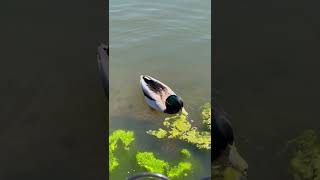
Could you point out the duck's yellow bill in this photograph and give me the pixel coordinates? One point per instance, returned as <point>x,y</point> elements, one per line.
<point>184,112</point>
<point>237,161</point>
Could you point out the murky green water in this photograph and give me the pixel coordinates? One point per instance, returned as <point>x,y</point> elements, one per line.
<point>269,89</point>
<point>169,40</point>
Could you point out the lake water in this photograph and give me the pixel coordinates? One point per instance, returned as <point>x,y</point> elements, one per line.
<point>168,40</point>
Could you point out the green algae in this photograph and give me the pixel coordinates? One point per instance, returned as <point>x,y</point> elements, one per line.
<point>304,154</point>
<point>179,170</point>
<point>202,139</point>
<point>113,161</point>
<point>148,161</point>
<point>179,127</point>
<point>161,133</point>
<point>126,138</point>
<point>186,153</point>
<point>151,163</point>
<point>206,115</point>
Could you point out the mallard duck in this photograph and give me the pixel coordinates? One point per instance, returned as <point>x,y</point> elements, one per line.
<point>159,96</point>
<point>222,131</point>
<point>223,138</point>
<point>103,63</point>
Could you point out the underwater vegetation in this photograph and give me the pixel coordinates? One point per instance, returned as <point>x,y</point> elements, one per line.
<point>304,154</point>
<point>126,138</point>
<point>148,161</point>
<point>180,169</point>
<point>151,163</point>
<point>179,127</point>
<point>185,152</point>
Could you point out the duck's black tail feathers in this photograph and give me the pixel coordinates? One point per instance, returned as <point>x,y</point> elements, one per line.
<point>153,84</point>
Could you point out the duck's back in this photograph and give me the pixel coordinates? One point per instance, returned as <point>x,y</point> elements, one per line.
<point>154,85</point>
<point>155,88</point>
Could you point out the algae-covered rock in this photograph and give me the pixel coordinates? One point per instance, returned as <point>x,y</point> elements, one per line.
<point>304,154</point>
<point>202,139</point>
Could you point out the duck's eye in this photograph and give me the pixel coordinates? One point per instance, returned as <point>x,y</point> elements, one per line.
<point>245,172</point>
<point>106,50</point>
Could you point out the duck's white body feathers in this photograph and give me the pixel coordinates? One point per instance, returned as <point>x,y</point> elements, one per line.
<point>155,92</point>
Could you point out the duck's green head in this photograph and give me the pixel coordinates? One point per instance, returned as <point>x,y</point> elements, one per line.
<point>173,104</point>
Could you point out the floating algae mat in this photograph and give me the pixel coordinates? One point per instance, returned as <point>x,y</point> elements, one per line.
<point>179,127</point>
<point>117,137</point>
<point>146,161</point>
<point>122,143</point>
